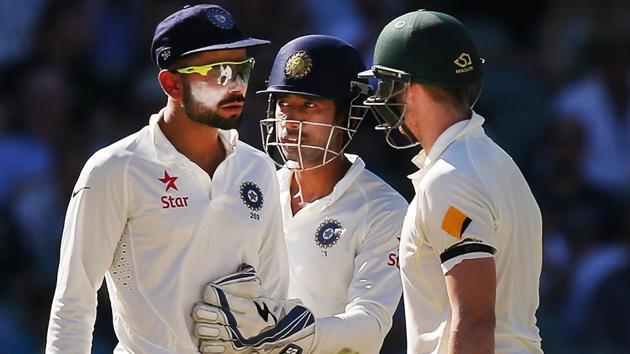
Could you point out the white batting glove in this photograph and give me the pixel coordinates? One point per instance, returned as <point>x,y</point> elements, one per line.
<point>238,316</point>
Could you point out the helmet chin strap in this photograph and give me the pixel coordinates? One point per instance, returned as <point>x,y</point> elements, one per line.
<point>401,129</point>
<point>477,95</point>
<point>392,116</point>
<point>299,193</point>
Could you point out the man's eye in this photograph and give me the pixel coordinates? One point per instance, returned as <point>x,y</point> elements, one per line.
<point>309,105</point>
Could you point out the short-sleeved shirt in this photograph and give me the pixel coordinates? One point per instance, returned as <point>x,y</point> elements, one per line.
<point>471,202</point>
<point>158,228</point>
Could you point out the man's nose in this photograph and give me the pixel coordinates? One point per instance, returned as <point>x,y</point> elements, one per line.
<point>290,122</point>
<point>238,85</point>
<point>289,128</point>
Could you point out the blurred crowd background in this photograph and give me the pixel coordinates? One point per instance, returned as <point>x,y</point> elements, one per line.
<point>77,75</point>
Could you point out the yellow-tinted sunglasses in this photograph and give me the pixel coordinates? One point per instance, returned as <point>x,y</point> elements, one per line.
<point>223,72</point>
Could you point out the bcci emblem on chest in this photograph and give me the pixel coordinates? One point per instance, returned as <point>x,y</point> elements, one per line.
<point>328,233</point>
<point>252,196</point>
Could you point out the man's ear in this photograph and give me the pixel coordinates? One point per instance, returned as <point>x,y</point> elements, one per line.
<point>172,84</point>
<point>412,92</point>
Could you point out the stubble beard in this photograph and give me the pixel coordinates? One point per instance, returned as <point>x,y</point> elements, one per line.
<point>202,114</point>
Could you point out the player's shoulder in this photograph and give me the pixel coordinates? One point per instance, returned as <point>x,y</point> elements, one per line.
<point>474,157</point>
<point>467,156</point>
<point>257,164</point>
<point>378,193</point>
<point>115,158</point>
<point>451,171</point>
<point>464,172</point>
<point>250,154</point>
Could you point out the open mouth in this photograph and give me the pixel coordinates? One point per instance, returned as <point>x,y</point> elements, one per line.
<point>289,139</point>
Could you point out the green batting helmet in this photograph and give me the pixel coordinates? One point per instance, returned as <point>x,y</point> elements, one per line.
<point>433,47</point>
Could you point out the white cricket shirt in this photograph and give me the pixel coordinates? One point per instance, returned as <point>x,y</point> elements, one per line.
<point>471,201</point>
<point>158,228</point>
<point>343,258</point>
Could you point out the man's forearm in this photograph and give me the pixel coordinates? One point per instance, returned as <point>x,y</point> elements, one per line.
<point>472,336</point>
<point>355,332</point>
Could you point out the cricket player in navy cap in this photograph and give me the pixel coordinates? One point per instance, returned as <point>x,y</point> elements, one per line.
<point>181,202</point>
<point>341,221</point>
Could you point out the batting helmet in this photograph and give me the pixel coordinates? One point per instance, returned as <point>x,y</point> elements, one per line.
<point>317,66</point>
<point>424,47</point>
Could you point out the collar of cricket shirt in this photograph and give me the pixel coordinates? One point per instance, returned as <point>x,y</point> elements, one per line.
<point>167,152</point>
<point>452,133</point>
<point>285,175</point>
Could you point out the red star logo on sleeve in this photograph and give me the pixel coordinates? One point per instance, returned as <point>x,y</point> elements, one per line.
<point>170,181</point>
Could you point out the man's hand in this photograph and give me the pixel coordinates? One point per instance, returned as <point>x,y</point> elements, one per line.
<point>238,316</point>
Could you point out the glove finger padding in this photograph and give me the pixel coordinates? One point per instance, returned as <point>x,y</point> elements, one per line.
<point>213,332</point>
<point>203,313</point>
<point>207,346</point>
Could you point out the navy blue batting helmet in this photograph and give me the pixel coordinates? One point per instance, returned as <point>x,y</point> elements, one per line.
<point>316,65</point>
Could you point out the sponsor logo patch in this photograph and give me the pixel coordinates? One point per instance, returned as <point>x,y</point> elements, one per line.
<point>74,194</point>
<point>464,62</point>
<point>291,349</point>
<point>169,201</point>
<point>169,181</point>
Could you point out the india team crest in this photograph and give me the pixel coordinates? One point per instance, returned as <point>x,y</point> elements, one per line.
<point>220,18</point>
<point>298,65</point>
<point>328,233</point>
<point>252,196</point>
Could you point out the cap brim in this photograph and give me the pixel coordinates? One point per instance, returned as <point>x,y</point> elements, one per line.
<point>249,42</point>
<point>288,91</point>
<point>366,74</point>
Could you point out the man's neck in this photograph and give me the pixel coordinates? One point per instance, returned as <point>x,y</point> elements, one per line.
<point>199,142</point>
<point>311,185</point>
<point>436,124</point>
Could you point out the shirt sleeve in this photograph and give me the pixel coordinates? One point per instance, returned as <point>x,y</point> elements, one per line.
<point>457,218</point>
<point>95,220</point>
<point>375,289</point>
<point>273,259</point>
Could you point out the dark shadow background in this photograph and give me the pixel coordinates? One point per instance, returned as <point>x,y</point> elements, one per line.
<point>77,75</point>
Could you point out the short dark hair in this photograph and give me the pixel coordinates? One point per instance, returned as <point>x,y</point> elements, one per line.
<point>457,97</point>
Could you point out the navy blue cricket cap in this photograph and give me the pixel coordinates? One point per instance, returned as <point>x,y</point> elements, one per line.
<point>315,65</point>
<point>195,29</point>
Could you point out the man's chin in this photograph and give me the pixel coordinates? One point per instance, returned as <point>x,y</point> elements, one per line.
<point>224,123</point>
<point>307,160</point>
